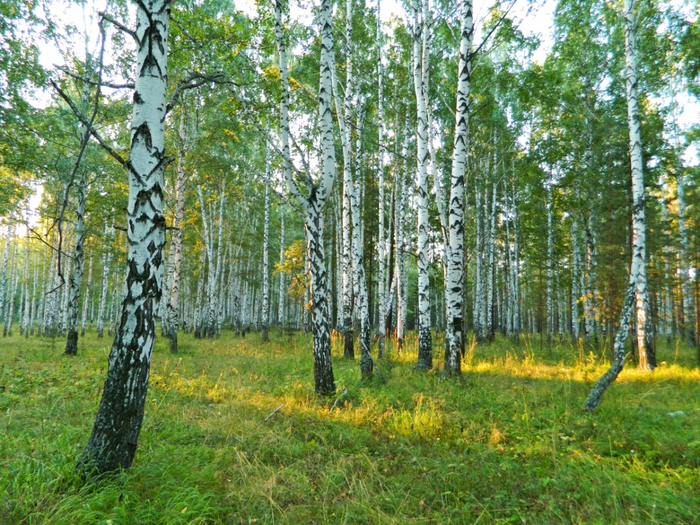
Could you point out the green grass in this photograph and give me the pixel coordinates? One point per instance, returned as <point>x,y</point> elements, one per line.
<point>509,443</point>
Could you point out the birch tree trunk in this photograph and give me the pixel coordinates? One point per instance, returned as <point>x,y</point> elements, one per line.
<point>280,306</point>
<point>575,280</point>
<point>381,235</point>
<point>266,256</point>
<point>5,263</point>
<point>77,274</point>
<point>550,268</point>
<point>490,284</point>
<point>454,283</point>
<point>86,301</point>
<point>400,234</point>
<point>685,269</point>
<point>12,290</point>
<point>425,345</point>
<point>645,339</point>
<point>516,267</point>
<point>173,305</point>
<point>26,299</point>
<point>318,192</point>
<point>351,203</point>
<point>112,444</point>
<point>106,259</point>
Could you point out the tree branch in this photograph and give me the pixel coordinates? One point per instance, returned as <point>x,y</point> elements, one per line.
<point>120,26</point>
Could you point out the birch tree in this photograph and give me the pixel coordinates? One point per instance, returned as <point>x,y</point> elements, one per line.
<point>318,191</point>
<point>420,60</point>
<point>454,285</point>
<point>114,438</point>
<point>644,332</point>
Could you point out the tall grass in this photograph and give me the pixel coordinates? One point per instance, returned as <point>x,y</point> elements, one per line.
<point>508,443</point>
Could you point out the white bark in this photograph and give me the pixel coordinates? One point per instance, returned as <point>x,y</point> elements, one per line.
<point>575,280</point>
<point>173,303</point>
<point>645,341</point>
<point>114,437</point>
<point>77,274</point>
<point>490,282</point>
<point>381,235</point>
<point>685,266</point>
<point>86,301</point>
<point>5,262</point>
<point>454,283</point>
<point>106,259</point>
<point>265,322</point>
<point>314,203</point>
<point>420,62</point>
<point>280,306</point>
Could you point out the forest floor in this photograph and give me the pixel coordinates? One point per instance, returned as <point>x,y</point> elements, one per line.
<point>508,443</point>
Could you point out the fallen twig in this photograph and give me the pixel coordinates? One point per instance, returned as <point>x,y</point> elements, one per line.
<point>271,415</point>
<point>345,393</point>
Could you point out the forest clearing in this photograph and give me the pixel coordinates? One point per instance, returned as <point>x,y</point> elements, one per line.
<point>349,261</point>
<point>508,443</point>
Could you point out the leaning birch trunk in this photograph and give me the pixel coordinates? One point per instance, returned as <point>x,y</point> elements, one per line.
<point>114,437</point>
<point>619,351</point>
<point>454,285</point>
<point>173,306</point>
<point>318,193</point>
<point>106,259</point>
<point>77,273</point>
<point>425,345</point>
<point>266,251</point>
<point>645,340</point>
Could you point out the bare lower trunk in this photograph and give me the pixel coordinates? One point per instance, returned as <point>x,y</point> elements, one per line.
<point>619,353</point>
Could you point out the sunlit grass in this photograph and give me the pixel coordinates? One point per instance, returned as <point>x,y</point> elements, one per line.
<point>508,442</point>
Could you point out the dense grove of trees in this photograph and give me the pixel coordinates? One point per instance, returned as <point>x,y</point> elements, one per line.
<point>316,168</point>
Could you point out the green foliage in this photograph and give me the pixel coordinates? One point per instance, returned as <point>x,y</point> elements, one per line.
<point>509,443</point>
